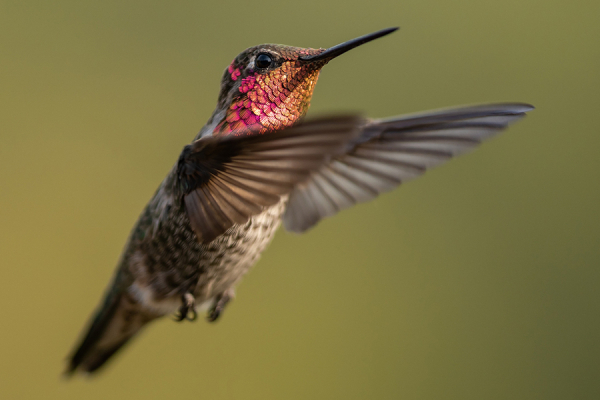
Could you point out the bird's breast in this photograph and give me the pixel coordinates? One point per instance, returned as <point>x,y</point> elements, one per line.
<point>170,261</point>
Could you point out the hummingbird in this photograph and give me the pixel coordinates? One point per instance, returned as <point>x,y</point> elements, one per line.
<point>254,165</point>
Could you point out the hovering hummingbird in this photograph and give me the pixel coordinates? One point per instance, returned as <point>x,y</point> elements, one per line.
<point>253,165</point>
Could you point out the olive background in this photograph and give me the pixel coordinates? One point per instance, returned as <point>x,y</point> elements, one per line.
<point>479,280</point>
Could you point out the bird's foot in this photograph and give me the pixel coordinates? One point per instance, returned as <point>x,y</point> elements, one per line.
<point>219,306</point>
<point>187,309</point>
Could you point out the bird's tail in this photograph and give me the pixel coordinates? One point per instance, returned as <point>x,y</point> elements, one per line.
<point>118,319</point>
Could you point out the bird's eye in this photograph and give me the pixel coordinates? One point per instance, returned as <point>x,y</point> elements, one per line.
<point>263,61</point>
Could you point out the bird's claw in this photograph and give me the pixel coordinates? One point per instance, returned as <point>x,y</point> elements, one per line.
<point>217,309</point>
<point>187,309</point>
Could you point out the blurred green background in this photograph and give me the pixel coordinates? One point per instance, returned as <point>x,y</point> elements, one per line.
<point>478,281</point>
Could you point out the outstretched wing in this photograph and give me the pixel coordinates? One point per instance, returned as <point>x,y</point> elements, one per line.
<point>391,151</point>
<point>226,180</point>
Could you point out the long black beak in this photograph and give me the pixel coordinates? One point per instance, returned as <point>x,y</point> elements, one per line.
<point>335,51</point>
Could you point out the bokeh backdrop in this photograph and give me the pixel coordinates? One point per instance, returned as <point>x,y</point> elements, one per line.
<point>479,280</point>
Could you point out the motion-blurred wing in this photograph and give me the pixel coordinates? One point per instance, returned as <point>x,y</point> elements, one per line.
<point>226,180</point>
<point>391,151</point>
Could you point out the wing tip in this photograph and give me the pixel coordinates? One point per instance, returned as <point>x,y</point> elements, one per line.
<point>514,108</point>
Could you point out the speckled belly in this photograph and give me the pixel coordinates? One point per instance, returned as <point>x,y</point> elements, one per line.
<point>227,259</point>
<point>169,261</point>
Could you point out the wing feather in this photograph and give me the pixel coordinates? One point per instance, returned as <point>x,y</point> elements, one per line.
<point>391,151</point>
<point>226,180</point>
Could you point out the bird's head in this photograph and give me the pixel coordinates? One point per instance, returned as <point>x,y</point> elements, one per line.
<point>269,87</point>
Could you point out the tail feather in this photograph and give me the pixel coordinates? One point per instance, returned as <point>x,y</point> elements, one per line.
<point>117,321</point>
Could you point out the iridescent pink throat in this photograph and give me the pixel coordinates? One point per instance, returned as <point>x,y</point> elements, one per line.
<point>270,101</point>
